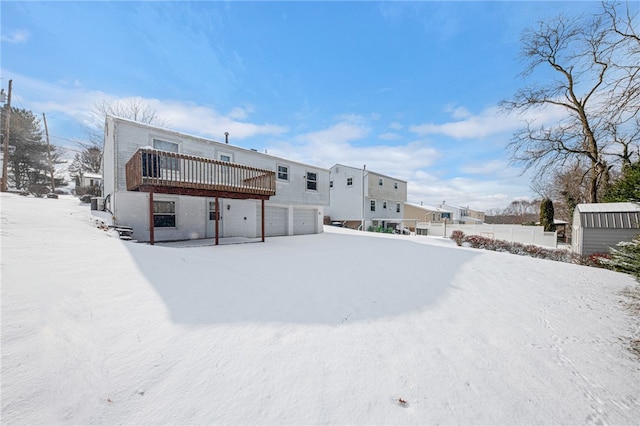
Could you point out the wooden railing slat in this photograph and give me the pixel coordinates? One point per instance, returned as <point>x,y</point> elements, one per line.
<point>168,169</point>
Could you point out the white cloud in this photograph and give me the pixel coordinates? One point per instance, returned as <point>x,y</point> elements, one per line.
<point>490,121</point>
<point>16,37</point>
<point>74,102</point>
<point>342,143</point>
<point>486,167</point>
<point>390,136</point>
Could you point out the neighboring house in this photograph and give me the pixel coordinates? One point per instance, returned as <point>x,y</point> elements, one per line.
<point>414,214</point>
<point>360,196</point>
<point>462,215</point>
<point>89,183</point>
<point>598,227</point>
<point>171,186</point>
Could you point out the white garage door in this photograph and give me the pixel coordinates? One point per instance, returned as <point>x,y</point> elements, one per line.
<point>304,221</point>
<point>275,221</point>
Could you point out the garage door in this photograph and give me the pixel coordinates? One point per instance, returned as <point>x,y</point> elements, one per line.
<point>275,221</point>
<point>304,221</point>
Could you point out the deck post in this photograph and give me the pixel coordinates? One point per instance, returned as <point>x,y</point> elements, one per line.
<point>262,219</point>
<point>217,222</point>
<point>151,225</point>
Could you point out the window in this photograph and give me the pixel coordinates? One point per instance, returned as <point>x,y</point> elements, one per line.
<point>384,205</point>
<point>164,214</point>
<point>349,181</point>
<point>395,185</point>
<point>330,184</point>
<point>225,157</point>
<point>380,182</point>
<point>397,207</point>
<point>283,173</point>
<point>373,205</point>
<point>312,181</point>
<point>170,163</point>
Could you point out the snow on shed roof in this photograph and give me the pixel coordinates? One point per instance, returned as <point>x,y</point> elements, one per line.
<point>608,215</point>
<point>608,207</point>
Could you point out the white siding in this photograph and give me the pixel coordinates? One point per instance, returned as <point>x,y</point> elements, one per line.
<point>599,227</point>
<point>347,202</point>
<point>240,218</point>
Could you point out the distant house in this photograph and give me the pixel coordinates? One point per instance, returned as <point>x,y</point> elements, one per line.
<point>462,215</point>
<point>169,186</point>
<point>598,227</point>
<point>91,179</point>
<point>414,213</point>
<point>360,196</point>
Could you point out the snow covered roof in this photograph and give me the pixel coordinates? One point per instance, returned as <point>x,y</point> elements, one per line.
<point>426,207</point>
<point>92,175</point>
<point>608,207</point>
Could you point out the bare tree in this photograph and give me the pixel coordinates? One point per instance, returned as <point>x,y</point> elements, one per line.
<point>575,51</point>
<point>623,120</point>
<point>133,109</point>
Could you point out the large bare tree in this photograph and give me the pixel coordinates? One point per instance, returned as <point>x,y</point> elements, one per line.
<point>135,109</point>
<point>581,71</point>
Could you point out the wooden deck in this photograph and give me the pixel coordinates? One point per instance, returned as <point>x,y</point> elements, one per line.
<point>151,170</point>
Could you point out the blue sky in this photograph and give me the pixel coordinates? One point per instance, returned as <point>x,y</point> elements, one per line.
<point>408,88</point>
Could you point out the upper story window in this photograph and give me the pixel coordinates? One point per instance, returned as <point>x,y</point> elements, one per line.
<point>161,145</point>
<point>330,184</point>
<point>380,182</point>
<point>395,185</point>
<point>225,157</point>
<point>349,181</point>
<point>170,163</point>
<point>312,181</point>
<point>384,205</point>
<point>373,205</point>
<point>283,172</point>
<point>397,207</point>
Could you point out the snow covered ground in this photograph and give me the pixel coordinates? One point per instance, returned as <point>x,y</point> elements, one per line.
<point>335,328</point>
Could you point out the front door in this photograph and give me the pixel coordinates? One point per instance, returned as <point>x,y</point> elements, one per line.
<point>212,211</point>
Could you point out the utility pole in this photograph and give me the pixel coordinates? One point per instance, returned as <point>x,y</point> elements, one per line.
<point>5,145</point>
<point>46,131</point>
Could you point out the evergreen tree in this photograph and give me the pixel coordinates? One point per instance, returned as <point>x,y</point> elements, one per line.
<point>626,257</point>
<point>546,215</point>
<point>29,155</point>
<point>627,188</point>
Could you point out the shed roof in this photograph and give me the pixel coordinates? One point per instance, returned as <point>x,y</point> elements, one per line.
<point>609,215</point>
<point>608,207</point>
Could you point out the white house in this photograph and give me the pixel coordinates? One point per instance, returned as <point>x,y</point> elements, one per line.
<point>360,196</point>
<point>89,182</point>
<point>461,215</point>
<point>170,186</point>
<point>598,227</point>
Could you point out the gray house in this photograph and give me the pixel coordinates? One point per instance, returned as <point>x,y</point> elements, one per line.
<point>598,227</point>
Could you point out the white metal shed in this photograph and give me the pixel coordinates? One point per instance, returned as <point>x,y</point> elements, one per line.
<point>600,226</point>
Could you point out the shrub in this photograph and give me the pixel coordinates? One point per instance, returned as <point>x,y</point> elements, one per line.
<point>559,255</point>
<point>457,236</point>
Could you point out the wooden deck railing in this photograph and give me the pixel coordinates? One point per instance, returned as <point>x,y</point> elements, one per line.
<point>151,169</point>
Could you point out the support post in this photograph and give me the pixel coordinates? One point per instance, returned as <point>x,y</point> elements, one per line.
<point>262,219</point>
<point>217,220</point>
<point>151,225</point>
